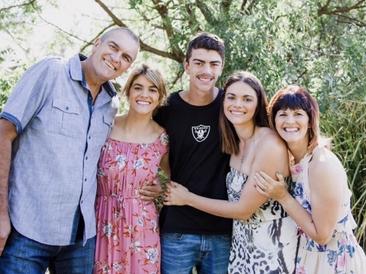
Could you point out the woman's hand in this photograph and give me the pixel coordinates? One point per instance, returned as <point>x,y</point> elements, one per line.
<point>269,187</point>
<point>151,191</point>
<point>176,194</point>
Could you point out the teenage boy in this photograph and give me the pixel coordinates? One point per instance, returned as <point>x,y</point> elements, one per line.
<point>189,237</point>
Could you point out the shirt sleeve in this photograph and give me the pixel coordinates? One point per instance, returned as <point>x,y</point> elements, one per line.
<point>160,116</point>
<point>29,95</point>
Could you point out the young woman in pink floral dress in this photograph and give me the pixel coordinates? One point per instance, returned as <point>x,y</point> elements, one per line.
<point>321,202</point>
<point>127,225</point>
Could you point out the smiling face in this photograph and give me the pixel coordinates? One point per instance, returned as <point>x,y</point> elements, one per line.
<point>143,96</point>
<point>292,125</point>
<point>113,54</point>
<point>240,103</point>
<point>294,113</point>
<point>203,68</point>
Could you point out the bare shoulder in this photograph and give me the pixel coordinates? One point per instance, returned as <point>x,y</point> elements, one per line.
<point>118,120</point>
<point>325,160</point>
<point>271,153</point>
<point>325,167</point>
<point>157,128</point>
<point>270,142</point>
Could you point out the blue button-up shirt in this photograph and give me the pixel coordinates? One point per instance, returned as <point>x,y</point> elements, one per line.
<point>54,163</point>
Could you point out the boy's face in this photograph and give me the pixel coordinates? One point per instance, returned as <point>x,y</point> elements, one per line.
<point>203,68</point>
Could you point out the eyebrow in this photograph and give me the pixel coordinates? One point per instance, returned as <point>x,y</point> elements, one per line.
<point>246,95</point>
<point>202,61</point>
<point>140,85</point>
<point>119,48</point>
<point>114,44</point>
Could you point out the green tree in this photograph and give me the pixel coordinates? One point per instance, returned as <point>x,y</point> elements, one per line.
<point>317,43</point>
<point>16,18</point>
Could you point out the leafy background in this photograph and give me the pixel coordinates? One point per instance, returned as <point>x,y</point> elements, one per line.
<point>320,44</point>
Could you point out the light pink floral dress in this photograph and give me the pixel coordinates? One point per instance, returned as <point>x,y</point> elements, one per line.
<point>342,254</point>
<point>127,227</point>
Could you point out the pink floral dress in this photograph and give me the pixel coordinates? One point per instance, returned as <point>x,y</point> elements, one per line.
<point>127,227</point>
<point>342,254</point>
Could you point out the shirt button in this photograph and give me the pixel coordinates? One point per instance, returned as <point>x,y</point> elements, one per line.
<point>86,157</point>
<point>67,108</point>
<point>85,179</point>
<point>89,137</point>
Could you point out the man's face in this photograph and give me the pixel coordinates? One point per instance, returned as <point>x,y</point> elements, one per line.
<point>114,55</point>
<point>203,68</point>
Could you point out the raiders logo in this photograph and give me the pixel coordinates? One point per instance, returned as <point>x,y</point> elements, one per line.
<point>200,133</point>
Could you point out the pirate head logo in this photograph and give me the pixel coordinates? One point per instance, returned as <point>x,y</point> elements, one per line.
<point>200,133</point>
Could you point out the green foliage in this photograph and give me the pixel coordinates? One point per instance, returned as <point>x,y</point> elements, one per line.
<point>317,43</point>
<point>8,82</point>
<point>17,16</point>
<point>345,122</point>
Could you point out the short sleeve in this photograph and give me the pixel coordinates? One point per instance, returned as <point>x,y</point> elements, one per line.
<point>29,94</point>
<point>160,116</point>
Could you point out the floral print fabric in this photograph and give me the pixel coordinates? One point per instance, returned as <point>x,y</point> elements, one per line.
<point>342,254</point>
<point>127,227</point>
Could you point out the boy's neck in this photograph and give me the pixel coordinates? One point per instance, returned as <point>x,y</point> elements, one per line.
<point>198,97</point>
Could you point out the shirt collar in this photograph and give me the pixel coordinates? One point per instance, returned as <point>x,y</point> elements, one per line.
<point>76,74</point>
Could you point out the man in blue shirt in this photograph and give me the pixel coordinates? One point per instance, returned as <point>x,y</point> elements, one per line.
<point>51,131</point>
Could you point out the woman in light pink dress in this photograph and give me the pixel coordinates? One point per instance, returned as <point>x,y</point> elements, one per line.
<point>127,225</point>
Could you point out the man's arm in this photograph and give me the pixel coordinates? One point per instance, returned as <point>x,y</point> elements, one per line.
<point>7,135</point>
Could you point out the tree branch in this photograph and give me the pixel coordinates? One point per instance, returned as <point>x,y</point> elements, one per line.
<point>26,50</point>
<point>192,19</point>
<point>143,45</point>
<point>160,52</point>
<point>323,8</point>
<point>177,77</point>
<point>115,19</point>
<point>225,6</point>
<point>243,4</point>
<point>206,12</point>
<point>326,10</point>
<point>251,6</point>
<point>91,42</point>
<point>62,30</point>
<point>31,2</point>
<point>351,20</point>
<point>162,9</point>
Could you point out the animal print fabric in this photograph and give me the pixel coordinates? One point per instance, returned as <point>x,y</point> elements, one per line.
<point>265,243</point>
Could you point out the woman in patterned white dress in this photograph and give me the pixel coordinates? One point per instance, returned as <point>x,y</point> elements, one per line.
<point>321,198</point>
<point>264,238</point>
<point>127,226</point>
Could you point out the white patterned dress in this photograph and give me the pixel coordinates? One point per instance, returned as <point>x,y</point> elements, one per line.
<point>264,244</point>
<point>342,254</point>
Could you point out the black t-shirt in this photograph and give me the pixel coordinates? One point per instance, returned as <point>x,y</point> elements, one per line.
<point>196,161</point>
